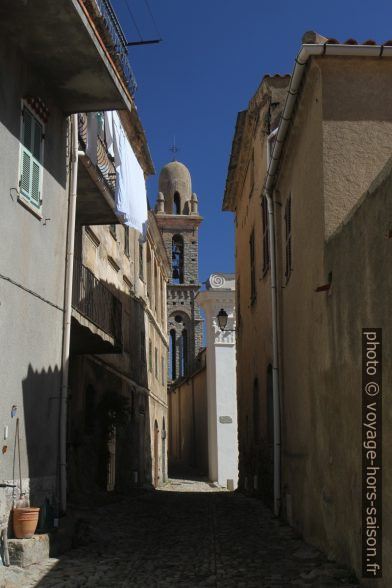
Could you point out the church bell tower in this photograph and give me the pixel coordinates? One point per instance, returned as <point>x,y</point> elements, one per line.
<point>178,219</point>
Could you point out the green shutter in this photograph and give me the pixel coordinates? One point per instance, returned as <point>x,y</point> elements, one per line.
<point>35,183</point>
<point>31,170</point>
<point>25,172</point>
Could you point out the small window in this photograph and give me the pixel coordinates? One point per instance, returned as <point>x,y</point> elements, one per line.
<point>112,229</point>
<point>163,369</point>
<point>142,348</point>
<point>288,247</point>
<point>238,312</point>
<point>141,266</point>
<point>173,355</point>
<point>31,159</point>
<point>252,266</point>
<point>266,250</point>
<point>150,355</point>
<point>256,412</point>
<point>126,241</point>
<point>156,363</point>
<point>251,170</point>
<point>176,203</point>
<point>177,259</point>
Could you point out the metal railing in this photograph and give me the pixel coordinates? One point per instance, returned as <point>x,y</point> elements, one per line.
<point>96,302</point>
<point>110,30</point>
<point>105,163</point>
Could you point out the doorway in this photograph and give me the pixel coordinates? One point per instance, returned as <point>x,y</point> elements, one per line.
<point>156,454</point>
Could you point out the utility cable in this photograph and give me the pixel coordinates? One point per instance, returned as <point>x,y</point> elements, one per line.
<point>133,19</point>
<point>146,2</point>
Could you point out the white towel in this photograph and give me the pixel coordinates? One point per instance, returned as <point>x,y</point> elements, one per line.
<point>130,196</point>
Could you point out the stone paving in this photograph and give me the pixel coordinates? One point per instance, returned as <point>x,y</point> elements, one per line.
<point>192,534</point>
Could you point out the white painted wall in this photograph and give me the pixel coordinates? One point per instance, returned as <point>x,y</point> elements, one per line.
<point>221,379</point>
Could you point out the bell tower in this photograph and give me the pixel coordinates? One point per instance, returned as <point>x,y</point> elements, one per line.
<point>178,219</point>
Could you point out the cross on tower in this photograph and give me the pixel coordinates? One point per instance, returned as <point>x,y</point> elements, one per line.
<point>174,149</point>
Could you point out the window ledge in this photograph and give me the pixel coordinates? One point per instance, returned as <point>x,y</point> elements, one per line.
<point>33,209</point>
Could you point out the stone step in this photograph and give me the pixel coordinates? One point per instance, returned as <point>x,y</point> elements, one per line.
<point>25,552</point>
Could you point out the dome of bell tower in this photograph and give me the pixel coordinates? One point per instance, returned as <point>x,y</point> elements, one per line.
<point>176,186</point>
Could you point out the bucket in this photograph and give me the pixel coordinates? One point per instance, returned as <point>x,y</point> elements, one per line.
<point>25,522</point>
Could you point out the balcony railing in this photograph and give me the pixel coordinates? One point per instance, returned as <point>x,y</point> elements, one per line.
<point>105,163</point>
<point>96,302</point>
<point>110,30</point>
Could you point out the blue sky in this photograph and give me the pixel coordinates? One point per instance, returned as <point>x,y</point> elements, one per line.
<point>210,62</point>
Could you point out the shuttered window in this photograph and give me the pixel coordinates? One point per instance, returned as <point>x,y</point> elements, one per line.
<point>252,266</point>
<point>266,251</point>
<point>287,218</point>
<point>31,156</point>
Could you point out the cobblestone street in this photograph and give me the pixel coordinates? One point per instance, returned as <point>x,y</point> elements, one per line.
<point>189,535</point>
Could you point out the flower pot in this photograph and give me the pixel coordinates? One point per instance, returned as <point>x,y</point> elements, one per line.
<point>25,522</point>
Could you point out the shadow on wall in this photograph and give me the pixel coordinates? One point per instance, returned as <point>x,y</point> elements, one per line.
<point>109,440</point>
<point>41,396</point>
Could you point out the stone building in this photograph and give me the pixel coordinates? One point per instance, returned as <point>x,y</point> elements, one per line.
<point>118,410</point>
<point>321,175</point>
<point>247,169</point>
<point>178,219</point>
<point>38,157</point>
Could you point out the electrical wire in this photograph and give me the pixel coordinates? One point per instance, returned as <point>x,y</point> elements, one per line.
<point>146,2</point>
<point>133,19</point>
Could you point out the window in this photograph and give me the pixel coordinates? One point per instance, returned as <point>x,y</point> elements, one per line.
<point>150,355</point>
<point>163,369</point>
<point>176,204</point>
<point>126,241</point>
<point>142,348</point>
<point>287,219</point>
<point>149,280</point>
<point>266,250</point>
<point>238,313</point>
<point>177,260</point>
<point>172,352</point>
<point>112,229</point>
<point>141,266</point>
<point>270,405</point>
<point>252,266</point>
<point>256,412</point>
<point>156,286</point>
<point>31,159</point>
<point>156,363</point>
<point>184,353</point>
<point>251,169</point>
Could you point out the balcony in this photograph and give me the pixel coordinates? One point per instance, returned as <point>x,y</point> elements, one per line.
<point>96,315</point>
<point>76,46</point>
<point>96,182</point>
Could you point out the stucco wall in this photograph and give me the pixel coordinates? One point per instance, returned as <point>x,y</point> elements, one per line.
<point>253,317</point>
<point>188,443</point>
<point>337,146</point>
<point>32,266</point>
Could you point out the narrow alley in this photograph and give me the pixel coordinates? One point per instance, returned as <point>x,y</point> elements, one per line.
<point>188,534</point>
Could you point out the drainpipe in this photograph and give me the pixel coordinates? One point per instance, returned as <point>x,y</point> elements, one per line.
<point>69,263</point>
<point>275,343</point>
<point>307,50</point>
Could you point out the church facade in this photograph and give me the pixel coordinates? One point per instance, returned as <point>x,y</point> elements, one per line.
<point>178,219</point>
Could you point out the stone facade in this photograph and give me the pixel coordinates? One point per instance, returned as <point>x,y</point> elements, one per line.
<point>178,220</point>
<point>130,381</point>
